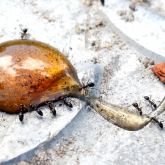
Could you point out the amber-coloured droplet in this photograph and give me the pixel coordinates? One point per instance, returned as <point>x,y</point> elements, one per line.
<point>32,72</point>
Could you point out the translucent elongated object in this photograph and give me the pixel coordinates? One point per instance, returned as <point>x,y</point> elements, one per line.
<point>119,116</point>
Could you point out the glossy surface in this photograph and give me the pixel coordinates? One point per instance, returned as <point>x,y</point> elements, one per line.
<point>32,72</point>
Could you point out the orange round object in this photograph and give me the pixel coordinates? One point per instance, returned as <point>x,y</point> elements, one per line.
<point>32,72</point>
<point>159,70</point>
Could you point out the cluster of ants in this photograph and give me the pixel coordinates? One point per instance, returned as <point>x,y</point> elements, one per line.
<point>24,34</point>
<point>50,104</point>
<point>153,105</point>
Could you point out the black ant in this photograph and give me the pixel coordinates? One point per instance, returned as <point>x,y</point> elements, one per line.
<point>24,109</point>
<point>67,103</point>
<point>21,114</point>
<point>24,33</point>
<point>159,123</point>
<point>88,85</point>
<point>39,112</point>
<point>102,2</point>
<point>154,119</point>
<point>51,107</point>
<point>151,102</point>
<point>138,108</point>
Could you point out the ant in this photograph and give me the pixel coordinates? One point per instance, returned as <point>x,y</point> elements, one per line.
<point>154,119</point>
<point>68,104</point>
<point>151,102</point>
<point>159,123</point>
<point>138,108</point>
<point>102,2</point>
<point>88,85</point>
<point>24,33</point>
<point>51,107</point>
<point>23,109</point>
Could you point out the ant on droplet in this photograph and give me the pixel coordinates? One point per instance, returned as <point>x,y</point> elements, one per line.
<point>151,102</point>
<point>89,85</point>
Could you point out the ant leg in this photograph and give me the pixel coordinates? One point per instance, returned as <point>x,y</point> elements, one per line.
<point>51,107</point>
<point>89,85</point>
<point>37,109</point>
<point>39,112</point>
<point>67,103</point>
<point>21,116</point>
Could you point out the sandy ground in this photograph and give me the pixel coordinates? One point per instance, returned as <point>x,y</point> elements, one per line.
<point>122,76</point>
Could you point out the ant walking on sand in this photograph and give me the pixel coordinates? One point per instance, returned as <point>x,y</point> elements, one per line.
<point>151,102</point>
<point>24,33</point>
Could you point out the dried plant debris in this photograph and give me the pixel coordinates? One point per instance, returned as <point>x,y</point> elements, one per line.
<point>126,15</point>
<point>159,70</point>
<point>147,62</point>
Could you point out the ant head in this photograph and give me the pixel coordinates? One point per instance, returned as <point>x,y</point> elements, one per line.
<point>91,85</point>
<point>161,125</point>
<point>135,105</point>
<point>25,30</point>
<point>146,97</point>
